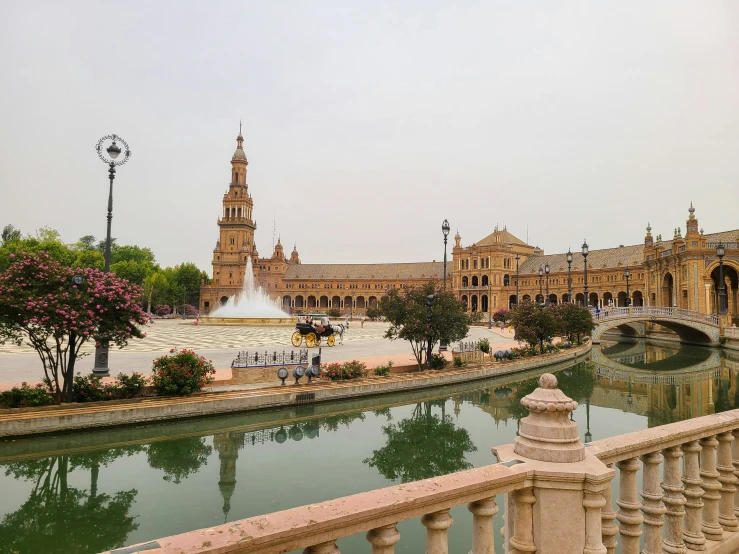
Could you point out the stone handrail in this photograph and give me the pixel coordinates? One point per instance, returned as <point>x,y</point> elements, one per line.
<point>654,311</point>
<point>316,527</point>
<point>731,332</point>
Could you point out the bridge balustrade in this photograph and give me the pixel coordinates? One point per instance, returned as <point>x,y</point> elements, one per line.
<point>654,311</point>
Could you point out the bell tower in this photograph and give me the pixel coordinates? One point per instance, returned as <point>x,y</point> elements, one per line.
<point>236,226</point>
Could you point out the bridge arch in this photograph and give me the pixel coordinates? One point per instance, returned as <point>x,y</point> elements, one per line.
<point>691,327</point>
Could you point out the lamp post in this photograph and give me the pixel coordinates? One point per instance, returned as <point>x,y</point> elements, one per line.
<point>445,232</point>
<point>100,368</point>
<point>569,275</point>
<point>429,303</point>
<point>722,307</point>
<point>627,274</point>
<point>585,276</point>
<point>541,293</point>
<point>517,258</point>
<point>547,269</point>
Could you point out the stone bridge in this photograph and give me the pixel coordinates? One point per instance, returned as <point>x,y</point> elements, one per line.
<point>691,327</point>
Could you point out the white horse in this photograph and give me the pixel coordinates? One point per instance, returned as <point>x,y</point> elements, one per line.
<point>338,329</point>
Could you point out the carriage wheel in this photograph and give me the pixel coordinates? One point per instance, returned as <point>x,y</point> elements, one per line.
<point>331,340</point>
<point>310,340</point>
<point>297,339</point>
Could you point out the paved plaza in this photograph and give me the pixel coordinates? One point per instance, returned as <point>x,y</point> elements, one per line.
<point>221,344</point>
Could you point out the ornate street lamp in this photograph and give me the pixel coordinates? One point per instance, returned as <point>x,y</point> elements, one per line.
<point>541,294</point>
<point>585,276</point>
<point>627,274</point>
<point>445,232</point>
<point>569,275</point>
<point>546,270</point>
<point>517,258</point>
<point>722,306</point>
<point>100,368</point>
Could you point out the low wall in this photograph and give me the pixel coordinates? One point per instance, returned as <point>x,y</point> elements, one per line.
<point>65,418</point>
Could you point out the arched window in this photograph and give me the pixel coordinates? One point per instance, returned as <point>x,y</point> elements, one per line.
<point>465,282</point>
<point>506,281</point>
<point>484,280</point>
<point>474,281</point>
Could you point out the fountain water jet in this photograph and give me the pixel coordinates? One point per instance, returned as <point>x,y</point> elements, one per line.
<point>252,306</point>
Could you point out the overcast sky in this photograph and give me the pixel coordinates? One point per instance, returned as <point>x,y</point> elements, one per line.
<point>368,123</point>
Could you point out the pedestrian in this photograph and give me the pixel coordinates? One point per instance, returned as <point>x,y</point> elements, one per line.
<point>362,321</point>
<point>597,312</point>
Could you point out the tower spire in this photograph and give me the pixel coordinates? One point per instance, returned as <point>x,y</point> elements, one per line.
<point>239,126</point>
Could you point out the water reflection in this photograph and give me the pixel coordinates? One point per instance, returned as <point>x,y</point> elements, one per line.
<point>182,475</point>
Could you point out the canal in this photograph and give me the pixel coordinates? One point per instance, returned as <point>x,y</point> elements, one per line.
<point>92,491</point>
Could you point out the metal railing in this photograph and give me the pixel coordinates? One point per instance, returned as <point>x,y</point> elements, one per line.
<point>261,359</point>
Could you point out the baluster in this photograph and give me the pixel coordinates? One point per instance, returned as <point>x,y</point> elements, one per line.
<point>735,461</point>
<point>593,502</point>
<point>726,516</point>
<point>674,501</point>
<point>522,541</point>
<point>483,540</point>
<point>436,524</point>
<point>692,535</point>
<point>383,539</point>
<point>607,515</point>
<point>323,548</point>
<point>710,525</point>
<point>628,502</point>
<point>652,506</point>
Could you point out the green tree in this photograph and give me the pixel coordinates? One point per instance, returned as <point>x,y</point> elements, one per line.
<point>131,253</point>
<point>89,258</point>
<point>179,458</point>
<point>154,284</point>
<point>576,320</point>
<point>10,234</point>
<point>535,324</point>
<point>86,243</point>
<point>132,270</point>
<point>408,314</point>
<point>422,446</point>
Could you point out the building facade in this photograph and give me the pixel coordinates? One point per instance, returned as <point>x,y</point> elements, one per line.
<point>496,272</point>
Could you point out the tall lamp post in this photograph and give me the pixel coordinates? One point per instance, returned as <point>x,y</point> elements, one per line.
<point>722,305</point>
<point>569,275</point>
<point>585,275</point>
<point>445,232</point>
<point>517,258</point>
<point>627,274</point>
<point>100,368</point>
<point>547,269</point>
<point>541,292</point>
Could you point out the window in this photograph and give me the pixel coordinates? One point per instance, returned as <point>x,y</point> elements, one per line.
<point>231,240</point>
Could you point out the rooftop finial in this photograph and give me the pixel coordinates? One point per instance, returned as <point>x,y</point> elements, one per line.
<point>239,126</point>
<point>691,210</point>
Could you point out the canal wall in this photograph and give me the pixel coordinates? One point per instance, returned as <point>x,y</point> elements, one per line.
<point>36,421</point>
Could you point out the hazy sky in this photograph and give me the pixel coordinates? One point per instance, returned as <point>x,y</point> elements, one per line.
<point>368,123</point>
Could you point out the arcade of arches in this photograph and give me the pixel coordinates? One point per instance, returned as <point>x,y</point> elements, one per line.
<point>493,273</point>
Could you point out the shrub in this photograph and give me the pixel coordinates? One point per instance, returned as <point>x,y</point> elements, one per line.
<point>722,340</point>
<point>90,388</point>
<point>189,310</point>
<point>383,370</point>
<point>181,373</point>
<point>130,385</point>
<point>437,361</point>
<point>26,396</point>
<point>349,370</point>
<point>162,309</point>
<point>458,361</point>
<point>334,312</point>
<point>484,345</point>
<point>500,315</point>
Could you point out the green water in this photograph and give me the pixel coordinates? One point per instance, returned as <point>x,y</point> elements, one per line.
<point>92,491</point>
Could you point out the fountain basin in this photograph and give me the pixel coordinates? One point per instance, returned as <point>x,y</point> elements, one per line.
<point>248,321</point>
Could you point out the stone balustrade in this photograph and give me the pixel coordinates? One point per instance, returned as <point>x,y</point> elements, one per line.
<point>655,311</point>
<point>558,496</point>
<point>731,332</point>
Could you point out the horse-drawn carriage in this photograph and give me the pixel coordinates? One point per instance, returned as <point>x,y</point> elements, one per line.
<point>314,339</point>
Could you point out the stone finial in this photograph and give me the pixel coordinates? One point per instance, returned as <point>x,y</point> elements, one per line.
<point>547,434</point>
<point>691,211</point>
<point>649,229</point>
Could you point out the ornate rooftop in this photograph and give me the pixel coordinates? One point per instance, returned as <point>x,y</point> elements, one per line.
<point>391,272</point>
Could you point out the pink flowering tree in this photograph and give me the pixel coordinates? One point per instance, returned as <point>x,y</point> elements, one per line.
<point>41,306</point>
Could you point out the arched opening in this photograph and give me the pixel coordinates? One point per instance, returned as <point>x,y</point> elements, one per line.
<point>474,302</point>
<point>299,301</point>
<point>539,298</point>
<point>484,280</point>
<point>372,302</point>
<point>474,281</point>
<point>348,303</point>
<point>593,299</point>
<point>607,299</point>
<point>526,298</point>
<point>731,281</point>
<point>506,280</point>
<point>361,304</point>
<point>553,299</point>
<point>565,298</point>
<point>621,299</point>
<point>464,302</point>
<point>465,282</point>
<point>286,302</point>
<point>223,300</point>
<point>668,297</point>
<point>637,299</point>
<point>336,302</point>
<point>311,301</point>
<point>511,301</point>
<point>579,298</point>
<point>484,299</point>
<point>323,302</point>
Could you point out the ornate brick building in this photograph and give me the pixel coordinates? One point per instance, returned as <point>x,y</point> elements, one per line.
<point>493,273</point>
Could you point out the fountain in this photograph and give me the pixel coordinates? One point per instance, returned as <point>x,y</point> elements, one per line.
<point>252,306</point>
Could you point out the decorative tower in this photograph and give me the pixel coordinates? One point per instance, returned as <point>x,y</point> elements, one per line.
<point>648,242</point>
<point>227,445</point>
<point>279,253</point>
<point>236,228</point>
<point>691,225</point>
<point>294,258</point>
